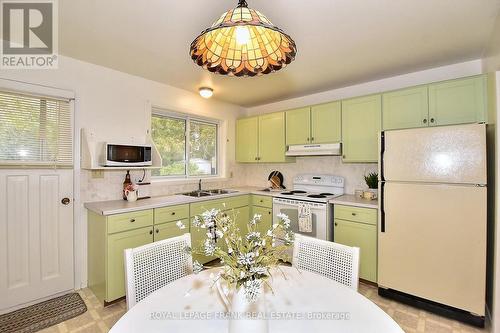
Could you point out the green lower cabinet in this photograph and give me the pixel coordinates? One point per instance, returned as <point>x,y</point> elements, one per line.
<point>170,229</point>
<point>361,235</point>
<point>266,218</point>
<point>361,119</point>
<point>115,271</point>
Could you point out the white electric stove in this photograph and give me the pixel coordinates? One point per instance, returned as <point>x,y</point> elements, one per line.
<point>314,191</point>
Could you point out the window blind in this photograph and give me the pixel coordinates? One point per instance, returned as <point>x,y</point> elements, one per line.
<point>35,131</point>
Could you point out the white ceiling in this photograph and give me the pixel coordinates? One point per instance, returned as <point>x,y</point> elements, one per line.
<point>340,42</point>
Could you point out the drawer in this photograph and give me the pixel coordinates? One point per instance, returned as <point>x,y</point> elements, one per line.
<point>129,221</point>
<point>221,204</point>
<point>172,213</point>
<point>262,201</point>
<point>356,214</point>
<point>170,229</point>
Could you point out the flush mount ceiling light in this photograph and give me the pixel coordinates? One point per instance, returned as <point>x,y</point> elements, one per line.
<point>206,92</point>
<point>243,42</point>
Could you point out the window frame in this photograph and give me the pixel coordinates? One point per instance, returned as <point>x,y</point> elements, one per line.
<point>187,118</point>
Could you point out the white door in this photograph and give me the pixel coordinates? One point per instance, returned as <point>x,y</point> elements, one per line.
<point>434,243</point>
<point>445,154</point>
<point>36,235</point>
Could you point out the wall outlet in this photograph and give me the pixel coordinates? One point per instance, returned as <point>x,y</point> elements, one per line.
<point>230,174</point>
<point>97,174</point>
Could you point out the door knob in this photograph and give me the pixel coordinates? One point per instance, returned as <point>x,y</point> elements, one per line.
<point>424,121</point>
<point>65,201</point>
<point>432,120</point>
<point>150,232</point>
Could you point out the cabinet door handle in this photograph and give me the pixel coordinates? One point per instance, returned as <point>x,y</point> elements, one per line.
<point>424,121</point>
<point>312,139</point>
<point>343,156</point>
<point>261,200</point>
<point>256,158</point>
<point>432,120</point>
<point>132,220</point>
<point>336,224</point>
<point>157,231</point>
<point>308,139</point>
<point>150,232</point>
<point>353,214</point>
<point>269,212</point>
<point>173,213</point>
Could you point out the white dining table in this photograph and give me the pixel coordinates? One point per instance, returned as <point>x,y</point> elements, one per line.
<point>300,301</point>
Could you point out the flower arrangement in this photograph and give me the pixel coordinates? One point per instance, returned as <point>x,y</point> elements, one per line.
<point>247,255</point>
<point>131,188</point>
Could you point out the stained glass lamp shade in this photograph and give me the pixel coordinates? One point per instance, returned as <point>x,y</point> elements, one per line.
<point>243,42</point>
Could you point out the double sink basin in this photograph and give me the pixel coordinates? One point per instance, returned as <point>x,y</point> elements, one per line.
<point>207,193</point>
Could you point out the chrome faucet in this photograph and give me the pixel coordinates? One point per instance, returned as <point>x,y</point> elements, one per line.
<point>199,185</point>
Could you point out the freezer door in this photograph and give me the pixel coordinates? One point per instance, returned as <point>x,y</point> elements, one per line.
<point>434,243</point>
<point>446,154</point>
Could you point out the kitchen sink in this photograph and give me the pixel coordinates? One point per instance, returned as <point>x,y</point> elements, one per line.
<point>219,191</point>
<point>199,194</point>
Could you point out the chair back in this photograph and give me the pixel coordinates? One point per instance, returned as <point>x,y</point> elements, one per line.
<point>335,261</point>
<point>152,266</point>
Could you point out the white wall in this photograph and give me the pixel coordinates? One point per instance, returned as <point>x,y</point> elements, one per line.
<point>491,58</point>
<point>113,105</point>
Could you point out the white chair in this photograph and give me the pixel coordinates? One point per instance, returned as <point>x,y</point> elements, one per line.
<point>152,266</point>
<point>335,261</point>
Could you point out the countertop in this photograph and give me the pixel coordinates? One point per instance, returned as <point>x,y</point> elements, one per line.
<point>351,200</point>
<point>122,206</point>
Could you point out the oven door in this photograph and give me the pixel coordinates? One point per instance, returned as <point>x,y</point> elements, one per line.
<point>319,212</point>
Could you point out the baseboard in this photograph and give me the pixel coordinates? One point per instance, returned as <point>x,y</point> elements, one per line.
<point>434,307</point>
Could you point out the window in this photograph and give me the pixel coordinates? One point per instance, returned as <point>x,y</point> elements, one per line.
<point>188,146</point>
<point>35,131</point>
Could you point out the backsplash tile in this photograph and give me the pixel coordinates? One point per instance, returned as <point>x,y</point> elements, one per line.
<point>256,174</point>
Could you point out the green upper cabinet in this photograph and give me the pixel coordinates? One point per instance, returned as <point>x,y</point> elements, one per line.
<point>360,128</point>
<point>272,146</point>
<point>298,126</point>
<point>458,101</point>
<point>326,126</point>
<point>247,136</point>
<point>408,108</point>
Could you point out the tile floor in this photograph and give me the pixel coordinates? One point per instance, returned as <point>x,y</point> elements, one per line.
<point>99,320</point>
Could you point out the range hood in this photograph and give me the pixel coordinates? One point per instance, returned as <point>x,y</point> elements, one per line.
<point>315,149</point>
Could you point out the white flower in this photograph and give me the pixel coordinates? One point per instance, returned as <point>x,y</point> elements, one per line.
<point>242,274</point>
<point>180,225</point>
<point>246,258</point>
<point>252,289</point>
<point>210,235</point>
<point>253,236</point>
<point>219,233</point>
<point>196,221</point>
<point>270,233</point>
<point>256,218</point>
<point>209,247</point>
<point>229,250</point>
<point>258,270</point>
<point>284,218</point>
<point>197,267</point>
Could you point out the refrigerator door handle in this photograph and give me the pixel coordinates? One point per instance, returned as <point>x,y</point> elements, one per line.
<point>382,210</point>
<point>382,152</point>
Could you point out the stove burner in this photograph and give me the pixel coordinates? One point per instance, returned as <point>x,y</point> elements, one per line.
<point>326,193</point>
<point>319,196</point>
<point>293,192</point>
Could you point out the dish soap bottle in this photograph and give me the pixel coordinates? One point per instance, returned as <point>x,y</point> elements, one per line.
<point>126,182</point>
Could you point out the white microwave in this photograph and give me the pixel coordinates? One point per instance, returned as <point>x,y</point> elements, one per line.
<point>123,155</point>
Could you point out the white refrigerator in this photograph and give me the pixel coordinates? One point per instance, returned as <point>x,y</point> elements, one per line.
<point>432,232</point>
